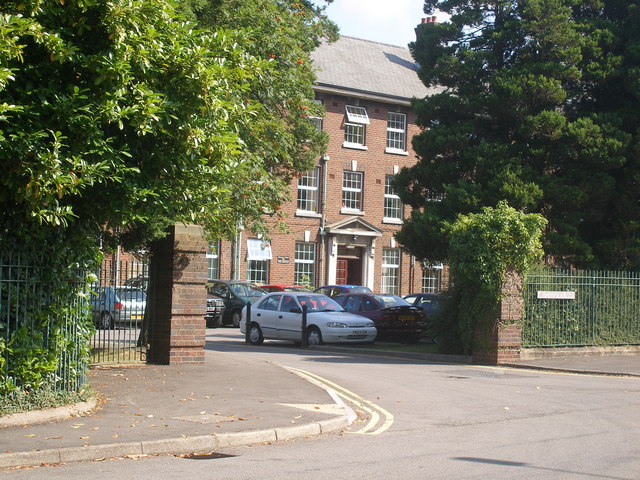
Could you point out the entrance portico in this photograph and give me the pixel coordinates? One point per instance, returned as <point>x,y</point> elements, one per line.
<point>351,252</point>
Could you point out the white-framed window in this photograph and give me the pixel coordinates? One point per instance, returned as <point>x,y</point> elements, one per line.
<point>390,271</point>
<point>258,256</point>
<point>258,250</point>
<point>213,260</point>
<point>431,278</point>
<point>304,264</point>
<point>308,191</point>
<point>397,133</point>
<point>352,190</point>
<point>357,114</point>
<point>392,204</point>
<point>354,126</point>
<point>258,271</point>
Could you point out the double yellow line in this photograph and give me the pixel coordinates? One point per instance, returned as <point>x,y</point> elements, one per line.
<point>377,414</point>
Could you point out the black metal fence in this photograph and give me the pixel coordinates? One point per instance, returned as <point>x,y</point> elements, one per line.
<point>52,324</point>
<point>119,312</point>
<point>43,325</point>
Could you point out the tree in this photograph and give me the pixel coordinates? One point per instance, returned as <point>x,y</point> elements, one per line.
<point>122,114</point>
<point>523,116</point>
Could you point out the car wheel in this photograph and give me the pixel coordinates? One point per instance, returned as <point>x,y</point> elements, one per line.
<point>235,319</point>
<point>314,337</point>
<point>106,321</point>
<point>255,334</point>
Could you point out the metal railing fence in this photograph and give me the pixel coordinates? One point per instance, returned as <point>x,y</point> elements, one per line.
<point>581,308</point>
<point>120,313</point>
<point>43,325</point>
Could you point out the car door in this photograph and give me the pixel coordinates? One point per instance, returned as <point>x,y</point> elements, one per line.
<point>266,314</point>
<point>289,319</point>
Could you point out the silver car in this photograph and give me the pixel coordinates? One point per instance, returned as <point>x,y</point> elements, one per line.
<point>278,315</point>
<point>111,306</point>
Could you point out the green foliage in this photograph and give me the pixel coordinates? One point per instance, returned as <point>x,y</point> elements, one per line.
<point>605,311</point>
<point>45,397</point>
<point>122,114</point>
<point>119,119</point>
<point>483,247</point>
<point>306,281</point>
<point>539,107</point>
<point>282,34</point>
<point>45,328</point>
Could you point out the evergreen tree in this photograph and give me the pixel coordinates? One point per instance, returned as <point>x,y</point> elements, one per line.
<point>528,114</point>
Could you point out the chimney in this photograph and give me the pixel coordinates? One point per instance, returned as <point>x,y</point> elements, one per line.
<point>427,21</point>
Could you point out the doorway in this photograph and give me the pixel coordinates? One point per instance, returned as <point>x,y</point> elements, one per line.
<point>349,266</point>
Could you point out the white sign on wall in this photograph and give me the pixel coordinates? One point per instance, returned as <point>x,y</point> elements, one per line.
<point>556,295</point>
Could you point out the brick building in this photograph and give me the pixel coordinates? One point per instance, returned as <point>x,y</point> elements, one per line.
<point>344,212</point>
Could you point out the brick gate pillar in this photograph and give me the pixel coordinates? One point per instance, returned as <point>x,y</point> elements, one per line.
<point>500,339</point>
<point>178,296</point>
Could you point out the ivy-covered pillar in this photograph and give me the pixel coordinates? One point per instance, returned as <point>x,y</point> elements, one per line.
<point>499,340</point>
<point>178,297</point>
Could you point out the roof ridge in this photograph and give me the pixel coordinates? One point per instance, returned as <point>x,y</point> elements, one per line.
<point>373,41</point>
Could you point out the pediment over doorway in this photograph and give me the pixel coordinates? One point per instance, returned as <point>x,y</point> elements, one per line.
<point>354,226</point>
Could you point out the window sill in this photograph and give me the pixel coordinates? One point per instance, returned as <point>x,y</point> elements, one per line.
<point>392,221</point>
<point>308,214</point>
<point>395,151</point>
<point>349,211</point>
<point>354,146</point>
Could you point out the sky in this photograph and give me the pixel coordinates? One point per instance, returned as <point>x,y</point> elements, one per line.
<point>384,21</point>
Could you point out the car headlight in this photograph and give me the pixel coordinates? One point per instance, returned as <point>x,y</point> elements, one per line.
<point>371,324</point>
<point>336,325</point>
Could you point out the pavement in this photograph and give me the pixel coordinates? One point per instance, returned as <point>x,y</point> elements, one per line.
<point>189,409</point>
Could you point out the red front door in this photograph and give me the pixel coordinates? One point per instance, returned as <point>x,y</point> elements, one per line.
<point>342,271</point>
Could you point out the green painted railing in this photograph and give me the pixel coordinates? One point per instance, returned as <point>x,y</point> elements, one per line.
<point>581,308</point>
<point>50,330</point>
<point>41,326</point>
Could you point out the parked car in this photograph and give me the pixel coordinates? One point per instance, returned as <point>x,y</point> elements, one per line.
<point>121,305</point>
<point>333,290</point>
<point>140,282</point>
<point>431,303</point>
<point>284,288</point>
<point>394,317</point>
<point>279,316</point>
<point>214,312</point>
<point>235,294</point>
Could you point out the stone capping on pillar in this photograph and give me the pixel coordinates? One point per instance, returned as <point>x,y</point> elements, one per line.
<point>501,340</point>
<point>180,271</point>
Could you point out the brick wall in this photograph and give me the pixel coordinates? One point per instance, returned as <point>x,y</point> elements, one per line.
<point>500,339</point>
<point>178,297</point>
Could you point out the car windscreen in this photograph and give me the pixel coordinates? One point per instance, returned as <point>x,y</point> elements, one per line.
<point>391,301</point>
<point>319,303</point>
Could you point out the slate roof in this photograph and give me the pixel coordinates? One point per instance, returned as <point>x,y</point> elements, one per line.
<point>364,68</point>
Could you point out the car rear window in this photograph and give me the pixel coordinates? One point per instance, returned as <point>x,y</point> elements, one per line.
<point>391,301</point>
<point>131,295</point>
